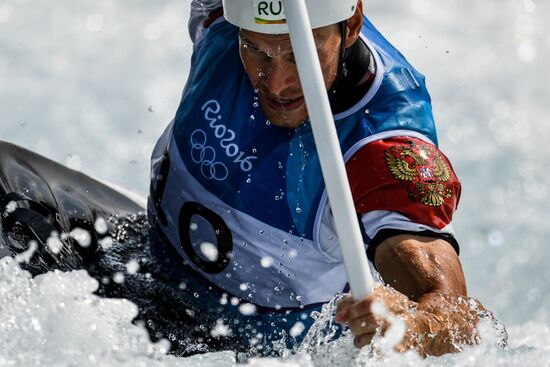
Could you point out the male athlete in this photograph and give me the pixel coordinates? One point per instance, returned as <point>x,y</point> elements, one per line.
<point>237,188</point>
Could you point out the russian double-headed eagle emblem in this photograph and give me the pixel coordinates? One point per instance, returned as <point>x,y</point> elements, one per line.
<point>424,168</point>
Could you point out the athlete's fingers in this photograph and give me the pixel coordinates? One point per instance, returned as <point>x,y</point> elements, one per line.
<point>360,309</point>
<point>363,339</point>
<point>367,324</point>
<point>342,310</point>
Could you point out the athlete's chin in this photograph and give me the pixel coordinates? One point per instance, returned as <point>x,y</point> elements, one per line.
<point>286,119</point>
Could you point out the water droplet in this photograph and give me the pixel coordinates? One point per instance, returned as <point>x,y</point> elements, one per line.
<point>248,180</point>
<point>54,243</point>
<point>266,262</point>
<point>196,295</point>
<point>298,210</point>
<point>106,242</point>
<point>132,267</point>
<point>81,236</point>
<point>262,231</point>
<point>223,300</point>
<point>151,109</point>
<point>252,117</point>
<point>297,329</point>
<point>254,150</point>
<point>118,278</point>
<point>210,251</point>
<point>267,122</point>
<point>255,104</point>
<point>247,309</point>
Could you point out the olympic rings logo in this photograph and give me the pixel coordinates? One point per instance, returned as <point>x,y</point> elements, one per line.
<point>206,156</point>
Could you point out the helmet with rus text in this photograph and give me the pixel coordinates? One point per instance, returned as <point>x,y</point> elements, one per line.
<point>268,16</point>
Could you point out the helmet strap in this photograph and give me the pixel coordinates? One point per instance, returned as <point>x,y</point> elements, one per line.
<point>342,68</point>
<point>342,62</point>
<point>356,72</point>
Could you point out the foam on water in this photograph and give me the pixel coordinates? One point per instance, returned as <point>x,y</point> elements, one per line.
<point>56,320</point>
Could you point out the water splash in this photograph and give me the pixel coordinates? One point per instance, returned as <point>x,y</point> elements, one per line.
<point>54,318</point>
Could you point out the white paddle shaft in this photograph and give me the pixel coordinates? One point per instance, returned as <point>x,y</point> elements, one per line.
<point>328,148</point>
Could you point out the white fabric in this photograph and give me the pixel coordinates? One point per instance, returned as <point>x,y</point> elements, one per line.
<point>269,266</point>
<point>200,11</point>
<point>375,221</point>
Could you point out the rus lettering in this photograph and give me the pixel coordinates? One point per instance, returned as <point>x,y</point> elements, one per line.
<point>262,8</point>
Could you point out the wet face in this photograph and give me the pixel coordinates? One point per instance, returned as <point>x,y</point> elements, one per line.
<point>269,62</point>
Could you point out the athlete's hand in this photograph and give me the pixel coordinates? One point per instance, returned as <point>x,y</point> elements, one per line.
<point>364,324</point>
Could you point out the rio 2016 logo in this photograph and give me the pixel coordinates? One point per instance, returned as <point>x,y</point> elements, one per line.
<point>269,12</point>
<point>205,155</point>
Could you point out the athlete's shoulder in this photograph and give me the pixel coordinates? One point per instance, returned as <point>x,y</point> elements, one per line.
<point>212,30</point>
<point>402,183</point>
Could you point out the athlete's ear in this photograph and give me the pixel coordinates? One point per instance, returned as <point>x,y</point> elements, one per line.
<point>355,23</point>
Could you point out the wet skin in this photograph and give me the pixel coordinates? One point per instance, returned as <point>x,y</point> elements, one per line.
<point>425,287</point>
<point>270,64</point>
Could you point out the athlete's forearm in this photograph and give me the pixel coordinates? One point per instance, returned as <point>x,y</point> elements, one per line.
<point>443,324</point>
<point>428,271</point>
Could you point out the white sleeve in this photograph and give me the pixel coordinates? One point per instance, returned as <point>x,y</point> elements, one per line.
<point>200,11</point>
<point>377,220</point>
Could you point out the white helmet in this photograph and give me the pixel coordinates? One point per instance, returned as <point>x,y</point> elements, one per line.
<point>268,16</point>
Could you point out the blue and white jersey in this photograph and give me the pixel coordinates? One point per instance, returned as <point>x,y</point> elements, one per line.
<point>243,201</point>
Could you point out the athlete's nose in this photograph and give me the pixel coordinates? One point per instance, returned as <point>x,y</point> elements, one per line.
<point>280,76</point>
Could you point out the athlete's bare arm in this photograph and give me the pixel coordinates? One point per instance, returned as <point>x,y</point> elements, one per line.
<point>425,287</point>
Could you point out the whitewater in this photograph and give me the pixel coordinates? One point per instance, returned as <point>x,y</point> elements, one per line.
<point>92,84</point>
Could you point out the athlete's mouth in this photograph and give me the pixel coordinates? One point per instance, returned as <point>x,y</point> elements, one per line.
<point>284,104</point>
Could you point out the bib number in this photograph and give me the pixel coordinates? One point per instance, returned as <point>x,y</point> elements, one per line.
<point>224,238</point>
